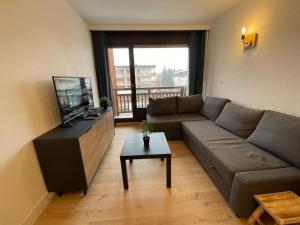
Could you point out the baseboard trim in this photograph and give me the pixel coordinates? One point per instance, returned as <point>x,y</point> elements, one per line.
<point>38,208</point>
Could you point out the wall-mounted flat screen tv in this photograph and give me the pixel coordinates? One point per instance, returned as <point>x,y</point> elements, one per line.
<point>74,96</point>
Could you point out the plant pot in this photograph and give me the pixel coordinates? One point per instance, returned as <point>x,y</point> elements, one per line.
<point>146,140</point>
<point>104,106</point>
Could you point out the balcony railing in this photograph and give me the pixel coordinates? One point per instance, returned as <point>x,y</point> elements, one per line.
<point>122,96</point>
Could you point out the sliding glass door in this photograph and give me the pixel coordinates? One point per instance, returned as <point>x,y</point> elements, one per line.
<point>138,73</point>
<point>160,72</point>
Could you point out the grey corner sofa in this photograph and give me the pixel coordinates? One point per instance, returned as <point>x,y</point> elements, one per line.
<point>244,151</point>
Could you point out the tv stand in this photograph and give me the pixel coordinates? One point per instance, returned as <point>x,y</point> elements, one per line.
<point>82,115</point>
<point>88,118</point>
<point>94,114</point>
<point>69,158</point>
<point>66,125</point>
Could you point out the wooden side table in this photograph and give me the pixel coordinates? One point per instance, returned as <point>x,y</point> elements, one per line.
<point>283,207</point>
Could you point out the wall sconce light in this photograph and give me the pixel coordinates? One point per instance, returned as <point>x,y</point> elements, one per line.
<point>248,40</point>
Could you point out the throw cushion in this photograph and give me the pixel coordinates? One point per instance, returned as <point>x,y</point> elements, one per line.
<point>189,104</point>
<point>239,120</point>
<point>279,134</point>
<point>161,106</point>
<point>212,107</point>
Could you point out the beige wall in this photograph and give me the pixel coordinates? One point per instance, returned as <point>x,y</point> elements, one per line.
<point>267,77</point>
<point>38,39</point>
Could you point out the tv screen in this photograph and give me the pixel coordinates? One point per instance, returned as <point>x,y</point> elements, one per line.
<point>74,96</point>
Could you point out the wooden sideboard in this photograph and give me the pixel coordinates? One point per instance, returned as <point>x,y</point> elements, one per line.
<point>70,157</point>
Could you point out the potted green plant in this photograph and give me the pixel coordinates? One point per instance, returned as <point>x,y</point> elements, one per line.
<point>147,128</point>
<point>104,102</point>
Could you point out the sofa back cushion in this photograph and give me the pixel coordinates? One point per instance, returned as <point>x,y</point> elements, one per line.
<point>239,120</point>
<point>162,106</point>
<point>189,104</point>
<point>212,107</point>
<point>279,134</point>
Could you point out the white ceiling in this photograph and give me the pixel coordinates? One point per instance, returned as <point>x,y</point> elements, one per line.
<point>151,11</point>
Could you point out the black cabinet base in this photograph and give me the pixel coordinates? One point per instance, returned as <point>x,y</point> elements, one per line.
<point>60,193</point>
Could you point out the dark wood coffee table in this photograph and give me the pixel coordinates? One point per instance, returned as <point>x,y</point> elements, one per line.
<point>134,149</point>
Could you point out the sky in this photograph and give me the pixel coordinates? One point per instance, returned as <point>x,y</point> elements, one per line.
<point>174,58</point>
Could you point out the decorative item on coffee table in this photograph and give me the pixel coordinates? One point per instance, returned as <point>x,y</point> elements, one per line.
<point>147,128</point>
<point>283,207</point>
<point>104,102</point>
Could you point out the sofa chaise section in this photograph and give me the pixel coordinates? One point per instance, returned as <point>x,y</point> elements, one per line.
<point>265,162</point>
<point>225,153</point>
<point>244,151</point>
<point>196,134</point>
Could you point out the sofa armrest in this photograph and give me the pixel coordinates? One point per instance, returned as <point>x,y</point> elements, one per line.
<point>247,184</point>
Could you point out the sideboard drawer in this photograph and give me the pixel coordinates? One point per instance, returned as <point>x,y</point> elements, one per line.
<point>90,153</point>
<point>101,127</point>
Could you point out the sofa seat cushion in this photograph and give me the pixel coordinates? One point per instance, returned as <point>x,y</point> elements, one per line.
<point>239,120</point>
<point>227,152</point>
<point>204,132</point>
<point>212,107</point>
<point>172,121</point>
<point>279,134</point>
<point>189,104</point>
<point>162,106</point>
<point>232,158</point>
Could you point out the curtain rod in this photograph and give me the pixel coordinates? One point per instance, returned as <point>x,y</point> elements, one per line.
<point>148,27</point>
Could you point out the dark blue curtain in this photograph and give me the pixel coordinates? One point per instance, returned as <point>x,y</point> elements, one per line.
<point>101,65</point>
<point>197,47</point>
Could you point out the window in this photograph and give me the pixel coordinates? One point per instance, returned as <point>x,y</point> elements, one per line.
<point>160,72</point>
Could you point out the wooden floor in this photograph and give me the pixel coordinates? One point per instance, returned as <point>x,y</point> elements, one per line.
<point>192,200</point>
